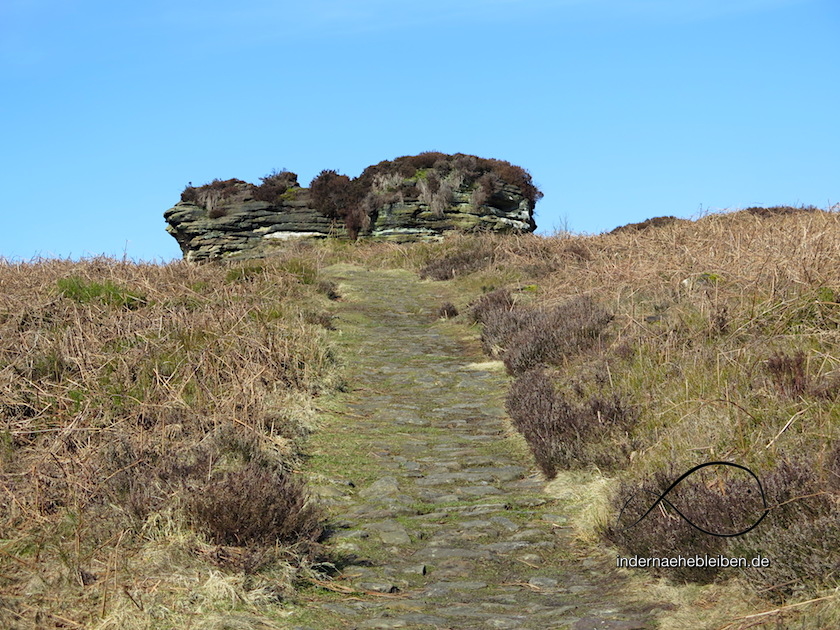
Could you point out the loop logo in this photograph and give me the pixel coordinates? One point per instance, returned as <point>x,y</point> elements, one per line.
<point>744,524</point>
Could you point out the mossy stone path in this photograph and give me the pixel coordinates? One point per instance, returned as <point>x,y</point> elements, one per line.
<point>438,515</point>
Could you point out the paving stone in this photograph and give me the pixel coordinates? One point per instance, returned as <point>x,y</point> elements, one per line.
<point>378,587</point>
<point>381,487</point>
<point>505,623</point>
<point>340,609</point>
<point>478,491</point>
<point>500,473</point>
<point>435,553</point>
<point>384,623</point>
<point>418,619</point>
<point>543,582</point>
<point>391,532</point>
<point>442,588</point>
<point>531,534</point>
<point>504,522</point>
<point>477,524</point>
<point>597,623</point>
<point>504,547</point>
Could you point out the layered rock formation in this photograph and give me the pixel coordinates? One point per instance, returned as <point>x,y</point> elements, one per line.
<point>411,198</point>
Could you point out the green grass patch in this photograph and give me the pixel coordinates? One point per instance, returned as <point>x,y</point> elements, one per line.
<point>106,292</point>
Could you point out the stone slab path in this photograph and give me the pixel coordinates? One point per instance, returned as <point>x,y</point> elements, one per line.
<point>438,516</point>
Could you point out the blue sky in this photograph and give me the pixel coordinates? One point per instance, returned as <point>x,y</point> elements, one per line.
<point>621,110</point>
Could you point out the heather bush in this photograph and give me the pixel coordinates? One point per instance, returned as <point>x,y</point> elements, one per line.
<point>214,195</point>
<point>458,169</point>
<point>189,194</point>
<point>485,307</point>
<point>479,255</point>
<point>801,534</point>
<point>788,374</point>
<point>447,310</point>
<point>528,338</point>
<point>331,193</point>
<point>548,337</point>
<point>500,326</point>
<point>337,196</point>
<point>663,533</point>
<point>329,289</point>
<point>275,185</point>
<point>564,433</point>
<point>356,219</point>
<point>254,506</point>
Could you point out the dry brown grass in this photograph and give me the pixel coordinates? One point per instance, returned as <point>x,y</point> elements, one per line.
<point>125,393</point>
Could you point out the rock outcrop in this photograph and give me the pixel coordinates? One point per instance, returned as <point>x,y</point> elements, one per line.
<point>412,198</point>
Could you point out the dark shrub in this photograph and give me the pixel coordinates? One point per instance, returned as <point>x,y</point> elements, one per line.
<point>499,327</point>
<point>654,222</point>
<point>519,177</point>
<point>547,423</point>
<point>483,189</point>
<point>460,263</point>
<point>337,196</point>
<point>773,211</point>
<point>328,288</point>
<point>533,338</point>
<point>190,194</point>
<point>254,506</point>
<point>469,167</point>
<point>321,318</point>
<point>331,193</point>
<point>356,220</point>
<point>664,534</point>
<point>800,536</point>
<point>275,185</point>
<point>447,310</point>
<point>486,306</point>
<point>566,434</point>
<point>219,190</point>
<point>788,374</point>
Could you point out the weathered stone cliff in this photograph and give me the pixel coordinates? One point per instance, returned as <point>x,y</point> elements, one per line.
<point>397,200</point>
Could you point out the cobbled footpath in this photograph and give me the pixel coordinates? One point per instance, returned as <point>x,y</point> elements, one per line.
<point>438,521</point>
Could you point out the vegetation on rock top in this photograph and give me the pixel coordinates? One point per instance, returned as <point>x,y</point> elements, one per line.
<point>431,177</point>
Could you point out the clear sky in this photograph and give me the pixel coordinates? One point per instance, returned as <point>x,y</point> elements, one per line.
<point>620,109</point>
